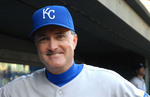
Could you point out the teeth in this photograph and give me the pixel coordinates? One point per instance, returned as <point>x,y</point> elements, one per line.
<point>54,54</point>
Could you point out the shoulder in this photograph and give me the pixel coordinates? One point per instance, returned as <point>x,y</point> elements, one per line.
<point>134,79</point>
<point>25,79</point>
<point>110,77</point>
<point>26,82</point>
<point>33,75</point>
<point>101,71</point>
<point>112,81</point>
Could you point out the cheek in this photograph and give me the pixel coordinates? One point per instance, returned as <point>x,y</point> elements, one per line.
<point>72,42</point>
<point>70,45</point>
<point>67,47</point>
<point>41,49</point>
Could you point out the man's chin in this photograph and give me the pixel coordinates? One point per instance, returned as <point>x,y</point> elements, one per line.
<point>55,64</point>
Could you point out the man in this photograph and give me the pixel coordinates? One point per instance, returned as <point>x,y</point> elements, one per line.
<point>56,40</point>
<point>138,80</point>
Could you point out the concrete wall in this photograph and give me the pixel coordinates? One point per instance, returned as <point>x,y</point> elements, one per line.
<point>128,15</point>
<point>19,51</point>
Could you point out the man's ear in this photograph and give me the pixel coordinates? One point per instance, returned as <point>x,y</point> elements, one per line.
<point>75,40</point>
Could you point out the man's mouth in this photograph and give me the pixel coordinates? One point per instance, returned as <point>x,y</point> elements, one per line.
<point>54,54</point>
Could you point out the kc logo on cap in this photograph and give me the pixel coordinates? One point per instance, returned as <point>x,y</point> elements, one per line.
<point>52,15</point>
<point>48,12</point>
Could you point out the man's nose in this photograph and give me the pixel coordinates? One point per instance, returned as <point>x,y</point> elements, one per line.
<point>52,44</point>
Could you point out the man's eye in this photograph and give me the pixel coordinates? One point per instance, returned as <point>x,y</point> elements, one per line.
<point>61,36</point>
<point>43,39</point>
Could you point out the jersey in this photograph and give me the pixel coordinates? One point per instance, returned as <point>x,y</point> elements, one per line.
<point>91,82</point>
<point>139,83</point>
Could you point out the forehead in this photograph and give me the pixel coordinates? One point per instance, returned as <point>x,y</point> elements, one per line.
<point>50,29</point>
<point>142,68</point>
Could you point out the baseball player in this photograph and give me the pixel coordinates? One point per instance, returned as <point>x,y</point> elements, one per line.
<point>138,80</point>
<point>56,40</point>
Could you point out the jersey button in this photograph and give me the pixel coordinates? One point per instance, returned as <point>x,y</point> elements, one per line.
<point>60,92</point>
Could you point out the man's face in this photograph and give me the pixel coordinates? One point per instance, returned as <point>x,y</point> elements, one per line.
<point>141,71</point>
<point>56,47</point>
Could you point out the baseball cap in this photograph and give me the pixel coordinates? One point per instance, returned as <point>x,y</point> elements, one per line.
<point>140,65</point>
<point>52,15</point>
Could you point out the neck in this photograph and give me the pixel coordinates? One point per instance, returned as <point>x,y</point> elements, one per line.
<point>140,76</point>
<point>65,77</point>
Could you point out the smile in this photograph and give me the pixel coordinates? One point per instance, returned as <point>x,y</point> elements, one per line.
<point>54,54</point>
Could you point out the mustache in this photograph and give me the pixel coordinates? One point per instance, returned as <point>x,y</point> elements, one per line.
<point>50,52</point>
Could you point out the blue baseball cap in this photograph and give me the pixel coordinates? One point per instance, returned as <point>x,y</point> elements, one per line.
<point>52,15</point>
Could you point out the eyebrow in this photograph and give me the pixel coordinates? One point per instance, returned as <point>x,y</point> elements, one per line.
<point>60,32</point>
<point>40,34</point>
